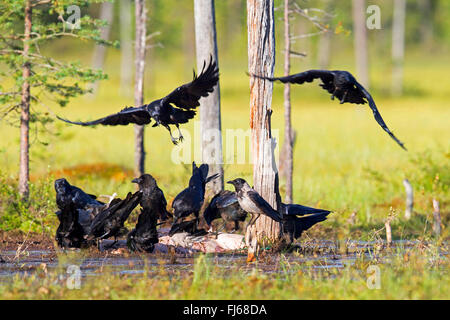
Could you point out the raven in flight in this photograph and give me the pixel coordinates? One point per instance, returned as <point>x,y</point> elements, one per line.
<point>190,200</point>
<point>342,85</point>
<point>174,109</point>
<point>225,205</point>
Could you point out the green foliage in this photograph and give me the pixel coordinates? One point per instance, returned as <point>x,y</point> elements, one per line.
<point>35,215</point>
<point>50,79</point>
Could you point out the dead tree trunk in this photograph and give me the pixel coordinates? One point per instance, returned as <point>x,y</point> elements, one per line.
<point>360,41</point>
<point>261,60</point>
<point>398,46</point>
<point>288,136</point>
<point>409,199</point>
<point>436,218</point>
<point>107,14</point>
<point>210,119</point>
<point>24,170</point>
<point>140,42</point>
<point>126,48</point>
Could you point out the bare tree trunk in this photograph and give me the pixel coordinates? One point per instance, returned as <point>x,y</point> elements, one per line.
<point>436,218</point>
<point>409,199</point>
<point>206,47</point>
<point>107,14</point>
<point>126,48</point>
<point>141,31</point>
<point>360,42</point>
<point>261,60</point>
<point>24,171</point>
<point>324,49</point>
<point>398,46</point>
<point>288,136</point>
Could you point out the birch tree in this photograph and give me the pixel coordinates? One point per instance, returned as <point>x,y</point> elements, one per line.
<point>210,118</point>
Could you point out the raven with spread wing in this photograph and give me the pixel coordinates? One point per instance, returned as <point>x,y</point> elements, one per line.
<point>342,85</point>
<point>225,205</point>
<point>110,221</point>
<point>174,109</point>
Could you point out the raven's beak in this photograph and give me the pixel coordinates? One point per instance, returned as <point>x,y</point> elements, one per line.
<point>136,180</point>
<point>231,182</point>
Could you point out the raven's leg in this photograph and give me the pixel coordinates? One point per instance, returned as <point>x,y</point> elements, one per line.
<point>174,140</point>
<point>216,233</point>
<point>252,221</point>
<point>180,136</point>
<point>334,93</point>
<point>236,227</point>
<point>344,96</point>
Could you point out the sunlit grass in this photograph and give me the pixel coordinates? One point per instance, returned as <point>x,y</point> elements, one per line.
<point>403,274</point>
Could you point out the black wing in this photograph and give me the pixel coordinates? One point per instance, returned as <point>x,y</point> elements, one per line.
<point>263,205</point>
<point>188,95</point>
<point>299,210</point>
<point>295,225</point>
<point>300,78</point>
<point>377,114</point>
<point>126,116</point>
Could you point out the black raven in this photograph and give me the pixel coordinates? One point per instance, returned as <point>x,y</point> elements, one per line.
<point>152,196</point>
<point>109,222</point>
<point>293,225</point>
<point>190,200</point>
<point>69,234</point>
<point>340,84</point>
<point>174,109</point>
<point>153,203</point>
<point>225,205</point>
<point>77,209</point>
<point>252,202</point>
<point>187,226</point>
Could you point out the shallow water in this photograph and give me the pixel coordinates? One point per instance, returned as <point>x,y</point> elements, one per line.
<point>318,255</point>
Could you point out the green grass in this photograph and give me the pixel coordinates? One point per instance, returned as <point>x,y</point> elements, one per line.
<point>343,161</point>
<point>415,274</point>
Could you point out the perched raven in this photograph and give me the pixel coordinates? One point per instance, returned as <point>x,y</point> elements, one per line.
<point>69,234</point>
<point>174,109</point>
<point>77,209</point>
<point>252,202</point>
<point>340,84</point>
<point>152,196</point>
<point>153,203</point>
<point>109,222</point>
<point>225,205</point>
<point>293,225</point>
<point>190,200</point>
